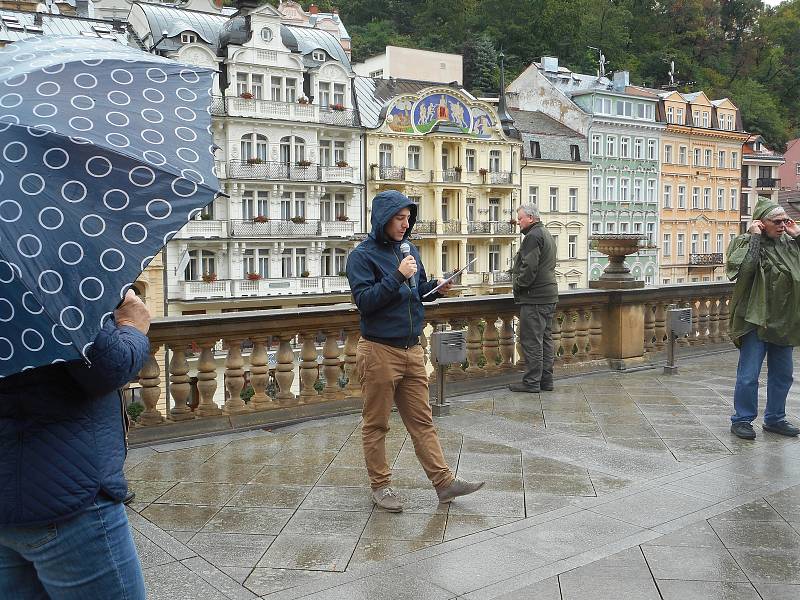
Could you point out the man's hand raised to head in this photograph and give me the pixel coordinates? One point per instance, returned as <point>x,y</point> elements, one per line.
<point>133,313</point>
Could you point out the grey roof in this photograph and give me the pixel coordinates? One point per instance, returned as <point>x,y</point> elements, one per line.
<point>317,19</point>
<point>570,83</point>
<point>372,95</point>
<point>307,39</point>
<point>177,20</point>
<point>554,138</point>
<point>18,25</point>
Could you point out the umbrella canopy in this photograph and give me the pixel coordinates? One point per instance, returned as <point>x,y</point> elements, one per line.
<point>106,153</point>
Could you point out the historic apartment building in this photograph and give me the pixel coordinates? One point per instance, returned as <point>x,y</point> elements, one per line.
<point>555,172</point>
<point>789,171</point>
<point>701,175</point>
<point>760,176</point>
<point>452,155</point>
<point>624,141</point>
<point>289,158</point>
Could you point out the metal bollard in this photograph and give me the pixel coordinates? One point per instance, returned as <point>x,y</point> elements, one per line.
<point>679,323</point>
<point>447,348</point>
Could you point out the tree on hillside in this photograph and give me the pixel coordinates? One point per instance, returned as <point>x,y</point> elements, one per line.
<point>481,71</point>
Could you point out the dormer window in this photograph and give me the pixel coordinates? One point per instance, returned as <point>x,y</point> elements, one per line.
<point>536,151</point>
<point>188,38</point>
<point>574,152</point>
<point>266,34</point>
<point>319,55</point>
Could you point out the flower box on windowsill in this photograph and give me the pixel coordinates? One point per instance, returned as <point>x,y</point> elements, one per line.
<point>337,106</point>
<point>303,100</point>
<point>303,163</point>
<point>253,276</point>
<point>342,218</point>
<point>298,220</point>
<point>254,161</point>
<point>483,172</point>
<point>246,95</point>
<point>260,219</point>
<point>305,274</point>
<point>210,277</point>
<point>342,163</point>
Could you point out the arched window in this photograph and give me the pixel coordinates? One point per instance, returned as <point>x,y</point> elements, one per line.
<point>254,145</point>
<point>293,149</point>
<point>201,262</point>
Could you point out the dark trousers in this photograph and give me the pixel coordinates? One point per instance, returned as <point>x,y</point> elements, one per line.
<point>535,333</point>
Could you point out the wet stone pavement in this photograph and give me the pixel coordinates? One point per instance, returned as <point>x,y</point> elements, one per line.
<point>615,486</point>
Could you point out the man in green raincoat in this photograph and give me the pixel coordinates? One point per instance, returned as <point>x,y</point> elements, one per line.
<point>765,316</point>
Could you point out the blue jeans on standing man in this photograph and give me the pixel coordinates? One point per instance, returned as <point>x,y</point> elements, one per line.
<point>779,379</point>
<point>91,555</point>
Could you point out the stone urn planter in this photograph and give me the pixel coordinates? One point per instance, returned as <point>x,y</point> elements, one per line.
<point>617,276</point>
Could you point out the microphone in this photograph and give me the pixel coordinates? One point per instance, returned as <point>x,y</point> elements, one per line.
<point>405,249</point>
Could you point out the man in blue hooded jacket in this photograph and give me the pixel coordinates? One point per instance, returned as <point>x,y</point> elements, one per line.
<point>388,290</point>
<point>64,534</point>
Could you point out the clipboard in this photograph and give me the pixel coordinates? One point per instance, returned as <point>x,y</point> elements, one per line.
<point>449,279</point>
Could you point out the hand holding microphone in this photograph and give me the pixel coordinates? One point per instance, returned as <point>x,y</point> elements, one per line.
<point>408,266</point>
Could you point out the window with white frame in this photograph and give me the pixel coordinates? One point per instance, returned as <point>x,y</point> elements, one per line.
<point>698,155</point>
<point>595,227</point>
<point>708,154</point>
<point>324,99</point>
<point>293,204</point>
<point>681,196</point>
<point>624,189</point>
<point>705,118</point>
<point>652,150</point>
<point>572,246</point>
<point>679,116</point>
<point>339,90</point>
<point>667,195</point>
<point>339,152</point>
<point>597,142</point>
<point>695,197</point>
<point>638,149</point>
<point>385,155</point>
<point>706,243</point>
<point>319,55</point>
<point>602,106</point>
<point>623,227</point>
<point>325,154</point>
<point>611,227</point>
<point>695,239</point>
<point>611,189</point>
<point>624,108</point>
<point>696,118</point>
<point>333,262</point>
<point>494,161</point>
<point>734,160</point>
<point>637,190</point>
<point>201,262</point>
<point>254,147</point>
<point>494,257</point>
<point>471,203</point>
<point>682,155</point>
<point>625,147</point>
<point>494,209</point>
<point>720,242</point>
<point>250,83</point>
<point>255,203</point>
<point>666,247</point>
<point>596,184</point>
<point>706,198</point>
<point>293,262</point>
<point>325,208</point>
<point>553,199</point>
<point>730,123</point>
<point>731,237</point>
<point>680,244</point>
<point>734,199</point>
<point>651,190</point>
<point>651,233</point>
<point>668,153</point>
<point>471,254</point>
<point>721,159</point>
<point>720,199</point>
<point>256,261</point>
<point>293,149</point>
<point>533,194</point>
<point>611,145</point>
<point>414,158</point>
<point>470,159</point>
<point>283,89</point>
<point>573,199</point>
<point>670,115</point>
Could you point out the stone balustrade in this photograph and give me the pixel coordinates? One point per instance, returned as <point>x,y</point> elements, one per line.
<point>257,368</point>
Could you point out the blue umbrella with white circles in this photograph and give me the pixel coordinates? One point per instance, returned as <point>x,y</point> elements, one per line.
<point>106,154</point>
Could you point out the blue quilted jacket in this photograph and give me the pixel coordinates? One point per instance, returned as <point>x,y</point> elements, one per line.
<point>62,431</point>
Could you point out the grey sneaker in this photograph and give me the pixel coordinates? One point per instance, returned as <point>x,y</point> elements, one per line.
<point>387,499</point>
<point>459,487</point>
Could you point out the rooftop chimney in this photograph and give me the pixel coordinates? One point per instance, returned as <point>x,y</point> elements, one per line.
<point>622,79</point>
<point>550,64</point>
<point>313,9</point>
<point>82,9</point>
<point>506,120</point>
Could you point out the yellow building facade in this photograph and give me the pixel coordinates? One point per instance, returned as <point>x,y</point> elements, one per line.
<point>700,186</point>
<point>445,150</point>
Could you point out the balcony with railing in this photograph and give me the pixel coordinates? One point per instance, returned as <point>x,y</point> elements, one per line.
<point>314,350</point>
<point>447,176</point>
<point>270,170</point>
<point>452,227</point>
<point>714,259</point>
<point>500,177</point>
<point>390,173</point>
<point>203,228</point>
<point>497,278</point>
<point>491,228</point>
<point>768,182</point>
<point>245,288</point>
<point>424,228</point>
<point>258,108</point>
<point>255,228</point>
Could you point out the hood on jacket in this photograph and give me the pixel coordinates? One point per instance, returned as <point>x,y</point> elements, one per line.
<point>386,205</point>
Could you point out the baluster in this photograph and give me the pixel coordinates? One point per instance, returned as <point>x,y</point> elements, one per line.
<point>473,348</point>
<point>684,341</point>
<point>234,379</point>
<point>353,388</point>
<point>582,335</point>
<point>332,367</point>
<point>180,388</point>
<point>569,327</point>
<point>207,381</point>
<point>491,346</point>
<point>309,369</point>
<point>724,316</point>
<point>284,372</point>
<point>520,354</point>
<point>713,320</point>
<point>694,337</point>
<point>556,327</point>
<point>660,325</point>
<point>454,372</point>
<point>150,380</point>
<point>259,375</point>
<point>507,342</point>
<point>703,321</point>
<point>596,332</point>
<point>649,327</point>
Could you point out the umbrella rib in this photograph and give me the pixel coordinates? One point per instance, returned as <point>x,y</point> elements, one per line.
<point>115,151</point>
<point>42,304</point>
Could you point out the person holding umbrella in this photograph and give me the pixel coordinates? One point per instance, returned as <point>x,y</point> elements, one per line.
<point>106,154</point>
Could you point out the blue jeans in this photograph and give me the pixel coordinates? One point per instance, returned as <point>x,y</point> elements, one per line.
<point>91,555</point>
<point>779,379</point>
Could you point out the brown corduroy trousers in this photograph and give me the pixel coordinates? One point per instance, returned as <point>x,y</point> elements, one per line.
<point>397,375</point>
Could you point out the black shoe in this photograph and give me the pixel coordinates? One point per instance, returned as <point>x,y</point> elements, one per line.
<point>547,387</point>
<point>744,430</point>
<point>129,497</point>
<point>521,387</point>
<point>781,428</point>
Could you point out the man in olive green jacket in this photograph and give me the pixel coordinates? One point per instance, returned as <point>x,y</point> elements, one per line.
<point>536,291</point>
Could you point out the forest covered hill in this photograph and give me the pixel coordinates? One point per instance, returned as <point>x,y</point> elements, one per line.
<point>741,49</point>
